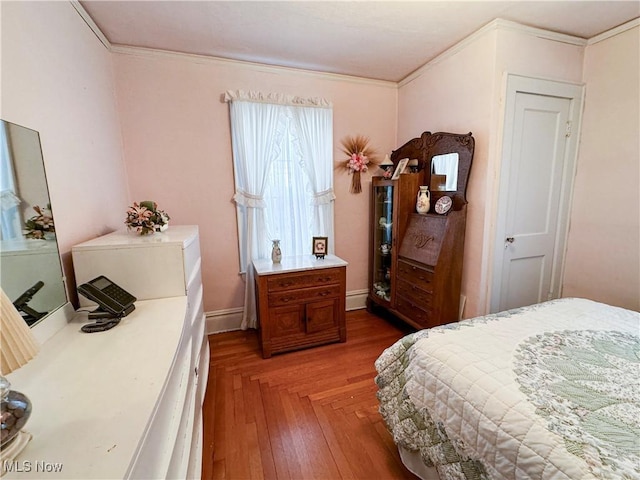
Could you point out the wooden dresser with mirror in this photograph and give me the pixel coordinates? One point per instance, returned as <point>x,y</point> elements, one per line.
<point>415,270</point>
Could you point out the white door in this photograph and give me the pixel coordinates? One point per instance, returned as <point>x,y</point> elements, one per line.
<point>537,170</point>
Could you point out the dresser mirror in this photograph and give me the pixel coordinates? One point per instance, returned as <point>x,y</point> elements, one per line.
<point>441,155</point>
<point>444,173</point>
<point>31,273</point>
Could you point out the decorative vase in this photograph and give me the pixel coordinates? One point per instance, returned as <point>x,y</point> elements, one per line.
<point>276,254</point>
<point>423,202</point>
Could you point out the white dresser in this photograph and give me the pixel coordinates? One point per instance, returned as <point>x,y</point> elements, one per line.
<point>127,402</point>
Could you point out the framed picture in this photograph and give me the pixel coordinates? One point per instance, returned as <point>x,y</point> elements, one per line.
<point>320,246</point>
<point>402,164</point>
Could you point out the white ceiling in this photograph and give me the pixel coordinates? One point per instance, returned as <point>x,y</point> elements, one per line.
<point>384,40</point>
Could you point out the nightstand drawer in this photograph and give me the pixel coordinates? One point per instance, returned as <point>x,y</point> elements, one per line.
<point>323,276</point>
<point>416,275</point>
<point>289,297</point>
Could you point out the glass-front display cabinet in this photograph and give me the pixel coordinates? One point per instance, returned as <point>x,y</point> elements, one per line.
<point>382,239</point>
<point>392,202</point>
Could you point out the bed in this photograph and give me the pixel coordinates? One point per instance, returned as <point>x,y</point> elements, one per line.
<point>549,391</point>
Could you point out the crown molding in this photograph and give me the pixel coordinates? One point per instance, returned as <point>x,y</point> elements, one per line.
<point>614,31</point>
<point>494,25</point>
<point>260,67</point>
<point>90,23</point>
<point>207,59</point>
<point>502,24</point>
<point>449,52</point>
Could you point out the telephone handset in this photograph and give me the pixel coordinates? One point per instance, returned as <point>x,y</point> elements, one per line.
<point>113,302</point>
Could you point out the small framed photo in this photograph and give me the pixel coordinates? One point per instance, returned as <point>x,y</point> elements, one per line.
<point>320,246</point>
<point>402,164</point>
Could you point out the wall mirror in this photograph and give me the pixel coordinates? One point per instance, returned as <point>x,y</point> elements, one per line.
<point>445,156</point>
<point>444,172</point>
<point>31,273</point>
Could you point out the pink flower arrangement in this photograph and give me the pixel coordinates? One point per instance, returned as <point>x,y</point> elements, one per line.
<point>360,155</point>
<point>145,217</point>
<point>358,162</point>
<point>39,224</point>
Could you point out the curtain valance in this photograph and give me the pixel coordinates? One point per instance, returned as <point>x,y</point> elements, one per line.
<point>275,98</point>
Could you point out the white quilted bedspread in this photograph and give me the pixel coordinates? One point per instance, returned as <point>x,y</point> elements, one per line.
<point>464,377</point>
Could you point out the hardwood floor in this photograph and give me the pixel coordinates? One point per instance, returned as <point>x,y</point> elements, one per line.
<point>310,414</point>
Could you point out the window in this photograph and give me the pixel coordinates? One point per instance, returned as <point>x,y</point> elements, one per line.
<point>288,198</point>
<point>283,169</point>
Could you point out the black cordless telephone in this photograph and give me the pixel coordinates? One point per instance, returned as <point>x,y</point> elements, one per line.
<point>113,303</point>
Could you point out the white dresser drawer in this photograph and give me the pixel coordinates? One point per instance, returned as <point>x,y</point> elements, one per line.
<point>191,259</point>
<point>154,456</point>
<point>195,457</point>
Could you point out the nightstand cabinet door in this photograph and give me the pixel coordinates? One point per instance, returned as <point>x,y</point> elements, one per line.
<point>286,321</point>
<point>321,316</point>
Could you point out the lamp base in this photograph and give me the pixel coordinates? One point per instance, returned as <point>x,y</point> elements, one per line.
<point>10,451</point>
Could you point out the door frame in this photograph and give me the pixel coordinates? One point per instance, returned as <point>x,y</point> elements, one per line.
<point>515,84</point>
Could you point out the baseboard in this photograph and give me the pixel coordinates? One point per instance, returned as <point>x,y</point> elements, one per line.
<point>230,319</point>
<point>357,299</point>
<point>223,320</point>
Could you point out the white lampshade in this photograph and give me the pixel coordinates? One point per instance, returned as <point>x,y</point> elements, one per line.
<point>17,347</point>
<point>386,162</point>
<point>17,344</point>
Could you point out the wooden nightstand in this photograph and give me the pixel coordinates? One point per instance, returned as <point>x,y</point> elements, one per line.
<point>301,302</point>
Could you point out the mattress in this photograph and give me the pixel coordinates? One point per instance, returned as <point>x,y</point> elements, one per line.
<point>549,391</point>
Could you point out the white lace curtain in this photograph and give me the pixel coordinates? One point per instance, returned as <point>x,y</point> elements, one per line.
<point>264,128</point>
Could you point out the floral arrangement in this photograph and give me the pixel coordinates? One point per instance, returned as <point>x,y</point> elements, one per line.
<point>145,218</point>
<point>360,155</point>
<point>39,224</point>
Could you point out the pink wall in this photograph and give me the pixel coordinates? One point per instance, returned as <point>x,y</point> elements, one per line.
<point>57,79</point>
<point>603,254</point>
<point>177,146</point>
<point>462,92</point>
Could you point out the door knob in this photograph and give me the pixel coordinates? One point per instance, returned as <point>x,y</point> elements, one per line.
<point>508,241</point>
